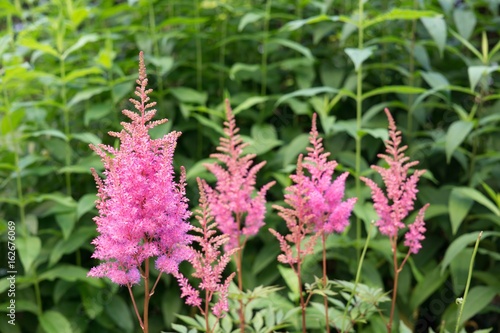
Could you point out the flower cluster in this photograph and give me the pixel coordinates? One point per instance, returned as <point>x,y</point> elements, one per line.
<point>394,205</point>
<point>143,212</point>
<point>232,198</point>
<point>315,201</point>
<point>329,212</point>
<point>208,262</point>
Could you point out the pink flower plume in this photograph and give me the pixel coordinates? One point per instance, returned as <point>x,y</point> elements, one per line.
<point>394,205</point>
<point>143,211</point>
<point>208,261</point>
<point>233,196</point>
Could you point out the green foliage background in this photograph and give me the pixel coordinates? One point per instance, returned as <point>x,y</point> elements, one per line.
<point>69,66</point>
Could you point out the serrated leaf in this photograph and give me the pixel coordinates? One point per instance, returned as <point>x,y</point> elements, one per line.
<point>457,132</point>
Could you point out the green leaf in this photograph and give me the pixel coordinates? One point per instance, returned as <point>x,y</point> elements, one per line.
<point>291,281</point>
<point>66,222</point>
<point>306,93</point>
<point>477,299</point>
<point>425,288</point>
<point>249,18</point>
<point>358,56</point>
<point>189,95</point>
<point>164,64</point>
<point>399,14</point>
<point>28,248</point>
<point>70,245</point>
<point>394,90</point>
<point>436,27</point>
<point>478,72</point>
<point>459,269</point>
<point>458,206</point>
<point>87,137</point>
<point>465,21</point>
<point>85,204</point>
<point>294,148</point>
<point>85,95</point>
<point>461,243</point>
<point>90,38</point>
<point>479,198</point>
<point>119,312</point>
<point>239,67</point>
<point>65,272</point>
<point>35,45</point>
<point>264,138</point>
<point>250,102</point>
<point>435,80</point>
<point>78,73</point>
<point>50,133</point>
<point>54,322</point>
<point>457,132</point>
<point>292,45</point>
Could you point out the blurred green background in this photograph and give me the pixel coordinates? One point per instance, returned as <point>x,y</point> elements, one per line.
<point>68,67</point>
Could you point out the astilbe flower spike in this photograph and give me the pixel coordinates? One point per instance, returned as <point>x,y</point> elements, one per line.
<point>329,212</point>
<point>143,212</point>
<point>397,202</point>
<point>232,197</point>
<point>208,262</point>
<point>316,209</point>
<point>239,212</point>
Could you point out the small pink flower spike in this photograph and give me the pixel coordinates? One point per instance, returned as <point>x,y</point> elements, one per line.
<point>330,213</point>
<point>394,205</point>
<point>143,212</point>
<point>233,196</point>
<point>208,262</point>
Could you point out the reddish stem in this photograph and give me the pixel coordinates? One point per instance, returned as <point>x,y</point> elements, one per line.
<point>325,279</point>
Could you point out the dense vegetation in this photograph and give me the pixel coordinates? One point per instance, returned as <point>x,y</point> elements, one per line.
<point>69,66</point>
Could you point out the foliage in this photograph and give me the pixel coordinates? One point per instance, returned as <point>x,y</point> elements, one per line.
<point>68,67</point>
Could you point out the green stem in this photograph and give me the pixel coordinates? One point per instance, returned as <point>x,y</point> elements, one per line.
<point>267,18</point>
<point>38,295</point>
<point>359,112</point>
<point>356,281</point>
<point>67,158</point>
<point>469,277</point>
<point>325,280</point>
<point>156,47</point>
<point>411,69</point>
<point>199,56</point>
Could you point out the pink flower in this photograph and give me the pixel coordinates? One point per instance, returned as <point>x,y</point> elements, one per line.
<point>329,212</point>
<point>233,197</point>
<point>416,231</point>
<point>208,262</point>
<point>315,201</point>
<point>394,205</point>
<point>298,220</point>
<point>143,212</point>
